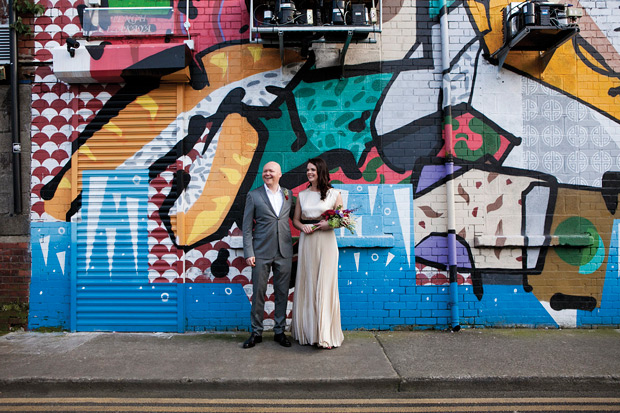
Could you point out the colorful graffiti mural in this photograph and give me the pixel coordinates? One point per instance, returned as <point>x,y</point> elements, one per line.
<point>537,172</point>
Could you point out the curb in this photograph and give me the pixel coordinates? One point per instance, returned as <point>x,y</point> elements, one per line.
<point>363,388</point>
<point>602,384</point>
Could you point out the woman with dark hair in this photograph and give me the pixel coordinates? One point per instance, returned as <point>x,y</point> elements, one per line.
<point>316,304</point>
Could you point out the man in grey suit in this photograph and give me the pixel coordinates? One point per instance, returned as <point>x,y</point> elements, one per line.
<point>267,246</point>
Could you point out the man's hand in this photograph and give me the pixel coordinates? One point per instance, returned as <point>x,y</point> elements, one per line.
<point>251,261</point>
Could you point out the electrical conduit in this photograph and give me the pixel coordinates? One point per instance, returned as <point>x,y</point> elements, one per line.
<point>449,165</point>
<point>15,129</point>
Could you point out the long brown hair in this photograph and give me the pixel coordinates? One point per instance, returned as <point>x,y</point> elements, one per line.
<point>322,176</point>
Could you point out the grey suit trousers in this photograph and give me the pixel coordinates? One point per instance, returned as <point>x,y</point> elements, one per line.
<point>281,267</point>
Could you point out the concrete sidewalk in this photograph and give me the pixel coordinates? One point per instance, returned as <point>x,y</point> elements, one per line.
<point>368,363</point>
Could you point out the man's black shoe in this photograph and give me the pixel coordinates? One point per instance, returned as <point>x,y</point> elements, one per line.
<point>281,338</point>
<point>253,340</point>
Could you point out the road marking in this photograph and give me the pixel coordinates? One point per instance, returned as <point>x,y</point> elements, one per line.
<point>173,405</point>
<point>163,400</point>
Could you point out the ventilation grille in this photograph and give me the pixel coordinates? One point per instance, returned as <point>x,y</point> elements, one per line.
<point>5,45</point>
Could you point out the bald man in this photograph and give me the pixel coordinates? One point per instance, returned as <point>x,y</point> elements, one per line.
<point>268,246</point>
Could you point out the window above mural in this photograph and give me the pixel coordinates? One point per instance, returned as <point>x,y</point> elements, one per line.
<point>132,18</point>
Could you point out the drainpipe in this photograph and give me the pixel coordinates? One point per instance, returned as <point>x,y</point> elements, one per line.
<point>449,165</point>
<point>17,181</point>
<point>187,24</point>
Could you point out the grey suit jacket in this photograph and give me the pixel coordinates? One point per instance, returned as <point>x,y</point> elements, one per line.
<point>264,233</point>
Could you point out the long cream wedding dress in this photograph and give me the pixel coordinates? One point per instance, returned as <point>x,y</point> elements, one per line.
<point>316,304</point>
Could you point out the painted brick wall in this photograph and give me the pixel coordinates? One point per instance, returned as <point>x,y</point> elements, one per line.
<point>50,295</point>
<point>536,181</point>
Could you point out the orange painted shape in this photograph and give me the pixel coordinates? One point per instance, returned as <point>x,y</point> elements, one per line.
<point>59,205</point>
<point>565,70</point>
<point>230,164</point>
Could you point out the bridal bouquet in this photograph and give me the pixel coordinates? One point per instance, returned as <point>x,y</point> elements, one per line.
<point>340,218</point>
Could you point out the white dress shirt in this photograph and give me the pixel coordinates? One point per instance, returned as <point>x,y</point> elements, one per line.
<point>276,199</point>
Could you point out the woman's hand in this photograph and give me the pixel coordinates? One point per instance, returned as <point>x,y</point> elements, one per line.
<point>308,228</point>
<point>323,225</point>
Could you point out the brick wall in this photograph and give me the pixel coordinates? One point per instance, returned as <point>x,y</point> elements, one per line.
<point>14,283</point>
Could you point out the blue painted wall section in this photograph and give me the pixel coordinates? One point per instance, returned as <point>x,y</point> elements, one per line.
<point>377,265</point>
<point>377,278</point>
<point>218,307</point>
<point>50,294</point>
<point>508,306</point>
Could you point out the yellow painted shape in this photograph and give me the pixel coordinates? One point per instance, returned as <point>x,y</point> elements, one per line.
<point>220,60</point>
<point>113,128</point>
<point>209,218</point>
<point>241,160</point>
<point>149,104</point>
<point>256,52</point>
<point>85,149</point>
<point>479,13</point>
<point>65,183</point>
<point>232,175</point>
<point>208,212</point>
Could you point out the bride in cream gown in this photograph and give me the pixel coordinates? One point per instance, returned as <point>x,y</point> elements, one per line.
<point>316,303</point>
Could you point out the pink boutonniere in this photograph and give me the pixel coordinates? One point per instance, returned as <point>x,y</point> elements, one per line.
<point>285,192</point>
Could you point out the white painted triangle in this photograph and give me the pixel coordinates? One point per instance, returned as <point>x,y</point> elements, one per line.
<point>417,53</point>
<point>359,226</point>
<point>45,247</point>
<point>111,238</point>
<point>357,261</point>
<point>372,195</point>
<point>564,318</point>
<point>117,201</point>
<point>61,259</point>
<point>94,206</point>
<point>133,204</point>
<point>345,198</point>
<point>403,205</point>
<point>389,259</point>
<point>248,288</point>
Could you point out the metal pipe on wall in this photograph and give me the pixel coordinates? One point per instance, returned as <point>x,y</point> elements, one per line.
<point>15,129</point>
<point>449,165</point>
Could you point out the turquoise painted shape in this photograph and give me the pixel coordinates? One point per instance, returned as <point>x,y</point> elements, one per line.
<point>436,5</point>
<point>334,114</point>
<point>596,261</point>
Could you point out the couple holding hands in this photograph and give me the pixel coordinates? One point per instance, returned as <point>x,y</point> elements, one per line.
<point>268,246</point>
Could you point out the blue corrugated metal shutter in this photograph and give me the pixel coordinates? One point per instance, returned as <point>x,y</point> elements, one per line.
<point>112,292</point>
